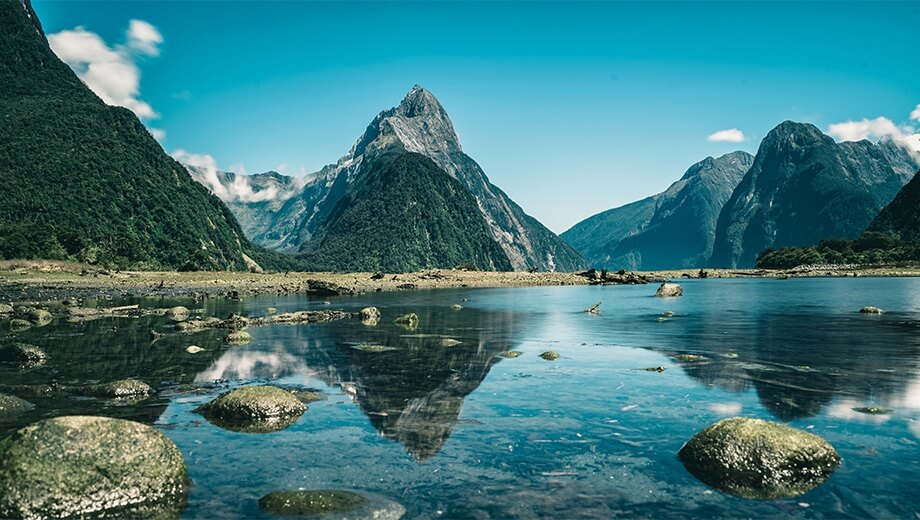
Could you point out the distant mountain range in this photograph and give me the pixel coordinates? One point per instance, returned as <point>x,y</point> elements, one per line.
<point>86,181</point>
<point>800,188</point>
<point>673,229</point>
<point>419,124</point>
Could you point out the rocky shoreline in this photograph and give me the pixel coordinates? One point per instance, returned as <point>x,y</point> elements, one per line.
<point>47,281</point>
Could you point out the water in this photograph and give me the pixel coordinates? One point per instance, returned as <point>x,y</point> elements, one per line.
<point>460,432</point>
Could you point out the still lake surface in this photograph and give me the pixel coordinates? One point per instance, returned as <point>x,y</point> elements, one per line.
<point>461,432</point>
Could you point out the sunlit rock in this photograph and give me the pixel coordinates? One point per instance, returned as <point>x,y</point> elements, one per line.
<point>254,409</point>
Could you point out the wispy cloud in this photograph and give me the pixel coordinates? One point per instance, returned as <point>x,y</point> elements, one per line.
<point>237,189</point>
<point>731,135</point>
<point>915,115</point>
<point>158,133</point>
<point>111,71</point>
<point>906,134</point>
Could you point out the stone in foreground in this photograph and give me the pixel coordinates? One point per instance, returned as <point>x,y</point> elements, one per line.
<point>90,466</point>
<point>757,459</point>
<point>331,503</point>
<point>668,290</point>
<point>254,409</point>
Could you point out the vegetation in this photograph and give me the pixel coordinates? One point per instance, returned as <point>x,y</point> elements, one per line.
<point>405,214</point>
<point>84,181</point>
<point>872,248</point>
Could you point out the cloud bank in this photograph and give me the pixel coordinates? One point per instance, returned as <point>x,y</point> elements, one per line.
<point>111,72</point>
<point>907,135</point>
<point>235,187</point>
<point>731,135</point>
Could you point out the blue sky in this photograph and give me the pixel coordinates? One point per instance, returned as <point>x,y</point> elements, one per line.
<point>571,108</point>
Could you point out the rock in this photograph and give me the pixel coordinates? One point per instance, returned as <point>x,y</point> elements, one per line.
<point>456,307</point>
<point>377,276</point>
<point>690,358</point>
<point>22,354</point>
<point>193,349</point>
<point>236,322</point>
<point>11,405</point>
<point>178,313</point>
<point>450,342</point>
<point>76,466</point>
<point>239,337</point>
<point>873,410</point>
<point>408,321</point>
<point>331,503</point>
<point>254,409</point>
<point>34,315</point>
<point>654,369</point>
<point>324,288</point>
<point>550,355</point>
<point>6,309</point>
<point>871,310</point>
<point>370,316</point>
<point>757,459</point>
<point>309,395</point>
<point>123,388</point>
<point>667,290</point>
<point>510,354</point>
<point>270,310</point>
<point>667,314</point>
<point>594,309</point>
<point>372,347</point>
<point>17,325</point>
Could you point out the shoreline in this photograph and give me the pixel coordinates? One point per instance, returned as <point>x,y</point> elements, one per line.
<point>33,281</point>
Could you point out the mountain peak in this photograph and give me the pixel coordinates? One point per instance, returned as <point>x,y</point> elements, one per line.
<point>419,102</point>
<point>797,133</point>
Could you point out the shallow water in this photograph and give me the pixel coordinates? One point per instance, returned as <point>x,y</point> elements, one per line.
<point>460,432</point>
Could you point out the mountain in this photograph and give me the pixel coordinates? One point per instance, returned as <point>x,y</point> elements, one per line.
<point>673,229</point>
<point>901,217</point>
<point>418,124</point>
<point>405,214</point>
<point>804,187</point>
<point>86,181</point>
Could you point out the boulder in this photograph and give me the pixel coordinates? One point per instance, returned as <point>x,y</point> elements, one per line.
<point>331,503</point>
<point>5,309</point>
<point>370,316</point>
<point>18,325</point>
<point>550,355</point>
<point>510,354</point>
<point>11,405</point>
<point>22,354</point>
<point>667,290</point>
<point>77,466</point>
<point>177,313</point>
<point>752,458</point>
<point>871,310</point>
<point>239,337</point>
<point>34,315</point>
<point>123,388</point>
<point>408,321</point>
<point>254,409</point>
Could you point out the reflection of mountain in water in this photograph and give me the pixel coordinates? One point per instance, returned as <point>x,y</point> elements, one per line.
<point>414,394</point>
<point>799,363</point>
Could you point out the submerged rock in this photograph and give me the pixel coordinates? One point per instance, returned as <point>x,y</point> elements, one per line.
<point>550,355</point>
<point>873,410</point>
<point>5,309</point>
<point>34,315</point>
<point>654,369</point>
<point>238,337</point>
<point>81,466</point>
<point>193,349</point>
<point>757,459</point>
<point>408,321</point>
<point>370,316</point>
<point>456,307</point>
<point>450,342</point>
<point>18,325</point>
<point>177,313</point>
<point>271,310</point>
<point>254,409</point>
<point>871,310</point>
<point>331,503</point>
<point>11,405</point>
<point>690,358</point>
<point>22,354</point>
<point>123,388</point>
<point>667,290</point>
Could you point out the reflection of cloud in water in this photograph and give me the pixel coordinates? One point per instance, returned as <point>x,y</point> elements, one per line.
<point>247,364</point>
<point>732,408</point>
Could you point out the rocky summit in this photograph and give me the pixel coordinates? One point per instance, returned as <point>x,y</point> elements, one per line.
<point>670,230</point>
<point>804,187</point>
<point>419,124</point>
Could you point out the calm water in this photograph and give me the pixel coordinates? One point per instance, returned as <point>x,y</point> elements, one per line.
<point>461,433</point>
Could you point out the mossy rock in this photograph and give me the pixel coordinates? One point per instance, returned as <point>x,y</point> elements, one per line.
<point>121,389</point>
<point>18,325</point>
<point>757,459</point>
<point>34,315</point>
<point>407,321</point>
<point>871,310</point>
<point>238,337</point>
<point>669,290</point>
<point>11,405</point>
<point>270,310</point>
<point>330,503</point>
<point>254,409</point>
<point>5,309</point>
<point>550,355</point>
<point>78,466</point>
<point>177,313</point>
<point>510,354</point>
<point>22,354</point>
<point>370,313</point>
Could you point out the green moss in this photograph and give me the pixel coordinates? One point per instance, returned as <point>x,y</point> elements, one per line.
<point>254,409</point>
<point>550,355</point>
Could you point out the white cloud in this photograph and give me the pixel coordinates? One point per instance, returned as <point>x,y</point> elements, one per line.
<point>915,115</point>
<point>158,133</point>
<point>874,129</point>
<point>111,72</point>
<point>283,168</point>
<point>731,135</point>
<point>239,189</point>
<point>730,408</point>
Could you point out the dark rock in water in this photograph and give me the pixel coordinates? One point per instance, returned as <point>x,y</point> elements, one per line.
<point>871,310</point>
<point>178,313</point>
<point>77,466</point>
<point>689,358</point>
<point>11,405</point>
<point>550,355</point>
<point>239,337</point>
<point>123,388</point>
<point>33,315</point>
<point>757,459</point>
<point>254,409</point>
<point>22,354</point>
<point>5,309</point>
<point>510,354</point>
<point>236,322</point>
<point>17,325</point>
<point>370,316</point>
<point>408,321</point>
<point>331,503</point>
<point>668,290</point>
<point>873,410</point>
<point>654,369</point>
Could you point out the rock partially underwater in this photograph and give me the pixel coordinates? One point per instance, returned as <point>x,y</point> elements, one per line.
<point>11,405</point>
<point>757,459</point>
<point>254,409</point>
<point>22,354</point>
<point>331,503</point>
<point>78,466</point>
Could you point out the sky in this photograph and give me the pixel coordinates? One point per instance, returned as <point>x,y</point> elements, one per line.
<point>570,108</point>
